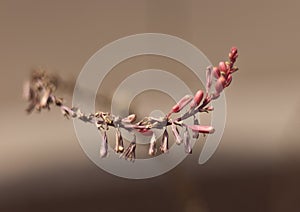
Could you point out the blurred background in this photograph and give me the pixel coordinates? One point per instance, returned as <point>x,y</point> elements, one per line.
<point>255,168</point>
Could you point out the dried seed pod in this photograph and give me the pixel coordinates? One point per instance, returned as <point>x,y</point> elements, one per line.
<point>208,78</point>
<point>119,147</point>
<point>129,152</point>
<point>178,139</point>
<point>196,133</point>
<point>187,141</point>
<point>104,145</point>
<point>152,148</point>
<point>27,91</point>
<point>44,101</point>
<point>164,147</point>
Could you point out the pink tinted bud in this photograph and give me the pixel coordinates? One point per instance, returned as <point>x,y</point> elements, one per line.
<point>233,53</point>
<point>222,67</point>
<point>216,72</point>
<point>202,129</point>
<point>129,119</point>
<point>197,99</point>
<point>175,109</point>
<point>146,132</point>
<point>234,69</point>
<point>220,84</point>
<point>182,103</point>
<point>229,79</point>
<point>233,50</point>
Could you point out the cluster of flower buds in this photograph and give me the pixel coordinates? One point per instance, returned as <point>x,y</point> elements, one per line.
<point>38,91</point>
<point>223,73</point>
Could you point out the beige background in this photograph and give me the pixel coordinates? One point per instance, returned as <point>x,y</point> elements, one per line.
<point>256,167</point>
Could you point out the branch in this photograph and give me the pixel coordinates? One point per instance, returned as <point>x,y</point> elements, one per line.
<point>39,92</point>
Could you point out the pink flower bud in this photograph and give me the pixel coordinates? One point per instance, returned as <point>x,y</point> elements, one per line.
<point>197,99</point>
<point>181,104</point>
<point>152,147</point>
<point>202,129</point>
<point>220,84</point>
<point>229,79</point>
<point>216,72</point>
<point>146,132</point>
<point>233,54</point>
<point>223,67</point>
<point>129,119</point>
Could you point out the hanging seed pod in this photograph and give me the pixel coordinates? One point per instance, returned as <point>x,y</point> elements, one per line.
<point>152,148</point>
<point>176,134</point>
<point>104,145</point>
<point>119,147</point>
<point>164,147</point>
<point>208,78</point>
<point>196,133</point>
<point>187,141</point>
<point>45,97</point>
<point>129,152</point>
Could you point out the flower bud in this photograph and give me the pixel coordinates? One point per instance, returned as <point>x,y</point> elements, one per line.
<point>223,67</point>
<point>129,119</point>
<point>216,72</point>
<point>220,84</point>
<point>233,54</point>
<point>181,104</point>
<point>202,129</point>
<point>197,99</point>
<point>229,79</point>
